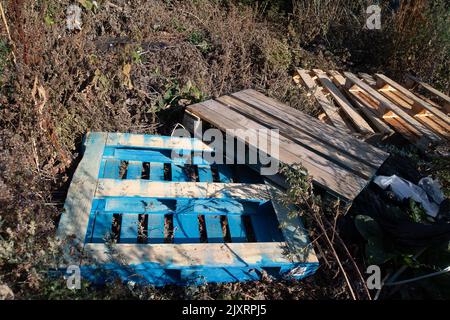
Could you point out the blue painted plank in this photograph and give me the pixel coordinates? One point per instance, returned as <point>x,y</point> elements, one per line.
<point>152,155</point>
<point>186,228</point>
<point>265,226</point>
<point>225,174</point>
<point>111,169</point>
<point>155,229</point>
<point>214,275</point>
<point>102,227</point>
<point>213,229</point>
<point>97,206</point>
<point>165,206</point>
<point>129,228</point>
<point>188,276</point>
<point>218,206</point>
<point>135,205</point>
<point>205,174</point>
<point>156,171</point>
<point>178,173</point>
<point>155,141</point>
<point>134,170</point>
<point>237,229</point>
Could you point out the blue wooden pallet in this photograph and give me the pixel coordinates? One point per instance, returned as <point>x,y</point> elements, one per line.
<point>142,214</point>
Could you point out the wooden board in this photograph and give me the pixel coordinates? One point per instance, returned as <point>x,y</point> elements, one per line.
<point>327,105</point>
<point>385,105</point>
<point>342,101</point>
<point>413,98</point>
<point>336,161</point>
<point>445,98</point>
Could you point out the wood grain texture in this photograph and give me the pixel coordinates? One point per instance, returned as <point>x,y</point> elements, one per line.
<point>325,172</point>
<point>390,106</point>
<point>206,255</point>
<point>415,99</point>
<point>327,105</point>
<point>157,189</point>
<point>342,101</point>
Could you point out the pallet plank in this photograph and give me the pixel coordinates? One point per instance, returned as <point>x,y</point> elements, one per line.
<point>325,173</point>
<point>317,130</point>
<point>205,174</point>
<point>159,189</point>
<point>155,231</point>
<point>102,227</point>
<point>111,169</point>
<point>418,101</point>
<point>191,254</point>
<point>430,89</point>
<point>213,229</point>
<point>327,105</point>
<point>153,141</point>
<point>361,166</point>
<point>156,171</point>
<point>237,228</point>
<point>342,101</point>
<point>385,103</point>
<point>129,228</point>
<point>134,170</point>
<point>178,173</point>
<point>77,207</point>
<point>186,228</point>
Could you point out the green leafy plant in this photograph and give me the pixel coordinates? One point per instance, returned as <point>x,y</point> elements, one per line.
<point>198,39</point>
<point>416,212</point>
<point>176,95</point>
<point>372,233</point>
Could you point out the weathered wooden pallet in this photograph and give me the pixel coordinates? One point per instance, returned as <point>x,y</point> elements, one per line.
<point>385,105</point>
<point>150,217</point>
<point>338,162</point>
<point>438,99</point>
<point>342,115</point>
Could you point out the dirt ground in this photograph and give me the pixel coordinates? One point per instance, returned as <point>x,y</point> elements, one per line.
<point>132,67</point>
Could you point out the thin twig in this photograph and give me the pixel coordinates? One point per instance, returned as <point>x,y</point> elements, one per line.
<point>353,262</point>
<point>5,22</point>
<point>338,261</point>
<point>322,227</point>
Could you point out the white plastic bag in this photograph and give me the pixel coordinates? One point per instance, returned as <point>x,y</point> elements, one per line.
<point>406,189</point>
<point>433,189</point>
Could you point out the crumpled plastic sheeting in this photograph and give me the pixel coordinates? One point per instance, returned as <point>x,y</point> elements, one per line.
<point>406,189</point>
<point>433,189</point>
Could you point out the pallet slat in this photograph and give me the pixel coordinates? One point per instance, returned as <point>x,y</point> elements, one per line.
<point>432,90</point>
<point>237,228</point>
<point>330,110</point>
<point>129,228</point>
<point>155,228</point>
<point>315,128</point>
<point>418,101</point>
<point>213,229</point>
<point>385,103</point>
<point>346,106</point>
